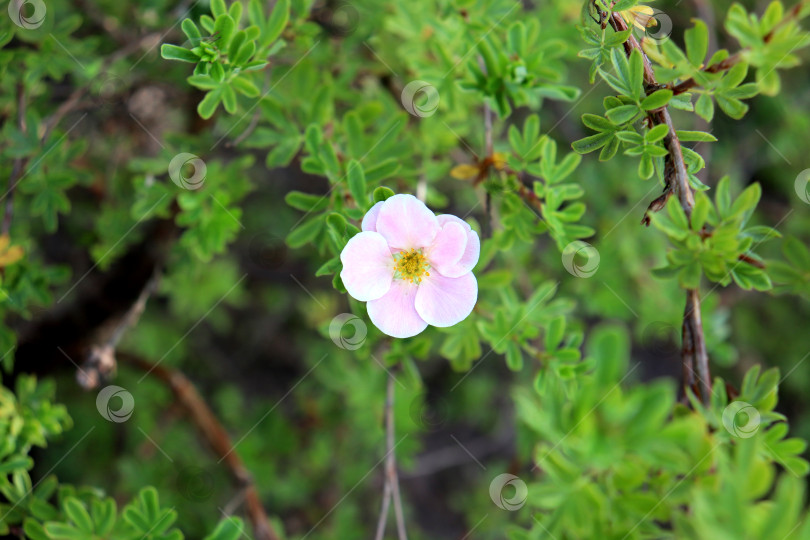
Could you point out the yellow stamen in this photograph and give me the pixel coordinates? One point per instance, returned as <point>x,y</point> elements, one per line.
<point>411,265</point>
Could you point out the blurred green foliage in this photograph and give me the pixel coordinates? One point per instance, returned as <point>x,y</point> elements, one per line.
<point>318,122</point>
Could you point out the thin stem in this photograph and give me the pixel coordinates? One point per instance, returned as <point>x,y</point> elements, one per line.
<point>694,356</point>
<point>213,431</point>
<point>386,503</point>
<point>391,459</point>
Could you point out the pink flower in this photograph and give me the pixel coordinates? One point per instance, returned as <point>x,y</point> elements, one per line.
<point>412,267</point>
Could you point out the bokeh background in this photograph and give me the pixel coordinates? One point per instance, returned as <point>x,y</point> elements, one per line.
<point>243,316</point>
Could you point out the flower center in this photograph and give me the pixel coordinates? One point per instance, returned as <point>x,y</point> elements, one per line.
<point>411,265</point>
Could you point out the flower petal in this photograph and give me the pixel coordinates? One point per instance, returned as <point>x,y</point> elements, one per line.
<point>368,266</point>
<point>471,252</point>
<point>444,301</point>
<point>448,246</point>
<point>394,314</point>
<point>370,219</point>
<point>406,222</point>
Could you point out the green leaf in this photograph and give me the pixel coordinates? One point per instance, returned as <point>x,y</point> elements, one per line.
<point>701,211</point>
<point>514,357</point>
<point>60,531</point>
<point>227,529</point>
<point>636,80</point>
<point>704,107</point>
<point>591,143</point>
<point>244,54</point>
<point>245,87</point>
<point>173,52</point>
<point>796,252</point>
<point>208,105</point>
<point>697,42</point>
<point>698,136</point>
<point>77,513</point>
<point>609,150</point>
<point>555,333</point>
<point>744,204</point>
<point>656,100</point>
<point>598,123</point>
<point>224,27</point>
<point>229,99</point>
<point>104,515</point>
<point>382,193</point>
<point>218,8</point>
<point>305,232</point>
<point>191,31</point>
<point>357,183</point>
<point>306,202</point>
<point>646,168</point>
<point>723,196</point>
<point>731,106</point>
<point>657,133</point>
<point>689,276</point>
<point>277,22</point>
<point>622,114</point>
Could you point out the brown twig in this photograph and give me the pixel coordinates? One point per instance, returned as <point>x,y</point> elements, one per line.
<point>489,150</point>
<point>216,436</point>
<point>391,488</point>
<point>694,357</point>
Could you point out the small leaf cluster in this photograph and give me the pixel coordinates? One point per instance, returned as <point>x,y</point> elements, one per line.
<point>516,326</point>
<point>226,57</point>
<point>604,445</point>
<point>536,157</point>
<point>712,240</point>
<point>519,71</point>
